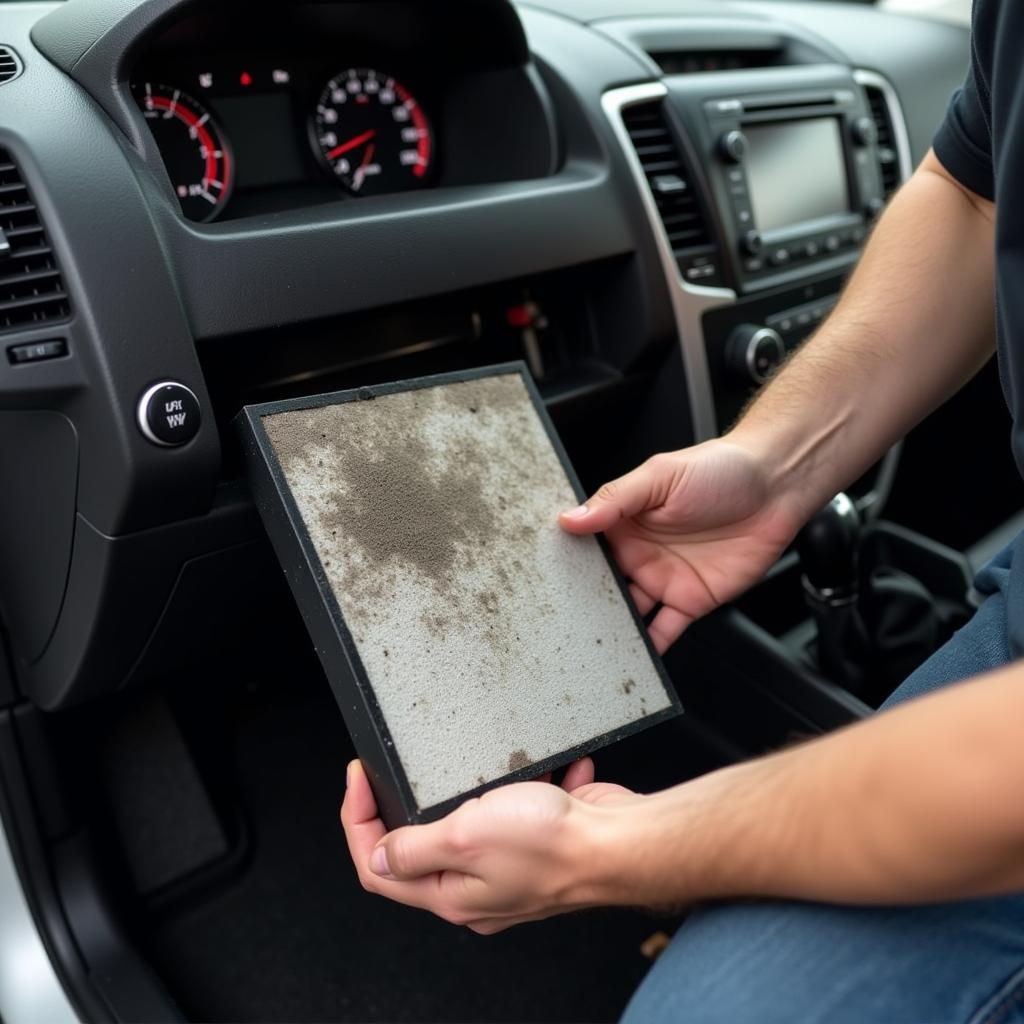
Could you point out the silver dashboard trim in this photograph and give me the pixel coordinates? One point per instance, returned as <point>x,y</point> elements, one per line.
<point>689,302</point>
<point>30,991</point>
<point>899,126</point>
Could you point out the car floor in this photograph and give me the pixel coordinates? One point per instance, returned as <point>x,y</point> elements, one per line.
<point>287,933</point>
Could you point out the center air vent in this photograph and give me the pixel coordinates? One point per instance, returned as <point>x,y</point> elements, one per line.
<point>672,185</point>
<point>691,62</point>
<point>10,65</point>
<point>31,289</point>
<point>888,157</point>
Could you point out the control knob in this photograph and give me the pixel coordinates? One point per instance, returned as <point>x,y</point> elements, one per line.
<point>752,352</point>
<point>732,146</point>
<point>751,243</point>
<point>873,207</point>
<point>168,414</point>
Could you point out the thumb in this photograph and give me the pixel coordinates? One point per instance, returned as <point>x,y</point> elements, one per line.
<point>619,499</point>
<point>414,851</point>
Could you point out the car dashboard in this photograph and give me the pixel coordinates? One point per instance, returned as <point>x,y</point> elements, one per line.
<point>290,198</point>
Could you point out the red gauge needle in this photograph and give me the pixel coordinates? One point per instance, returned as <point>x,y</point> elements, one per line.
<point>344,147</point>
<point>360,176</point>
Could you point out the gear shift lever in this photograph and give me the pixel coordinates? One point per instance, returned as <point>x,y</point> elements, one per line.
<point>828,547</point>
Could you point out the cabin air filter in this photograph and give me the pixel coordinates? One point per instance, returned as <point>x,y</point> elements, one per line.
<point>468,639</point>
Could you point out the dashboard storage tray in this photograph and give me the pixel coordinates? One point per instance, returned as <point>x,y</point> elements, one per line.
<point>469,641</point>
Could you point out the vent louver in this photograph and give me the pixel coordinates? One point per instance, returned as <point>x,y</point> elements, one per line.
<point>671,184</point>
<point>888,158</point>
<point>31,288</point>
<point>10,65</point>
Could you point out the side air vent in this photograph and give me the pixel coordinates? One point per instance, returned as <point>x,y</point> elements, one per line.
<point>10,65</point>
<point>671,184</point>
<point>888,157</point>
<point>31,288</point>
<point>691,62</point>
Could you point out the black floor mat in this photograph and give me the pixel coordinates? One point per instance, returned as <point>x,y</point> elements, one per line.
<point>294,938</point>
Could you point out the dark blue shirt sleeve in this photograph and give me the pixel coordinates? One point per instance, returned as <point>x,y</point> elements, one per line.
<point>963,142</point>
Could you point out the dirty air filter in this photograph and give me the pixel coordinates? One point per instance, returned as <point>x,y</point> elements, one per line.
<point>468,639</point>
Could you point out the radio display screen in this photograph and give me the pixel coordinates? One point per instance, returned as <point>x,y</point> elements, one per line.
<point>796,172</point>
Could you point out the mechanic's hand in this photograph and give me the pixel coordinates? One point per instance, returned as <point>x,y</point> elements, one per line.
<point>516,854</point>
<point>690,530</point>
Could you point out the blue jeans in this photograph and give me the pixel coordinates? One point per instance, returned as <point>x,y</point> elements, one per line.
<point>801,963</point>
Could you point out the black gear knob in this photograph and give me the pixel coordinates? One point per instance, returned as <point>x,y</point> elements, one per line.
<point>828,546</point>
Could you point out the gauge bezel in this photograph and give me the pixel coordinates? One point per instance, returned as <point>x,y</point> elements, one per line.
<point>214,128</point>
<point>313,133</point>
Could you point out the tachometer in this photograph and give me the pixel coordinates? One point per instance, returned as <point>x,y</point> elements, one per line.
<point>194,150</point>
<point>371,133</point>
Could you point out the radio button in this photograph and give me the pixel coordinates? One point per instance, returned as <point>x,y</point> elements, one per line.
<point>779,258</point>
<point>811,249</point>
<point>168,414</point>
<point>832,243</point>
<point>732,146</point>
<point>863,132</point>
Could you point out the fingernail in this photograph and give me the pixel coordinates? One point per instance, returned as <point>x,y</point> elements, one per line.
<point>348,775</point>
<point>379,862</point>
<point>576,513</point>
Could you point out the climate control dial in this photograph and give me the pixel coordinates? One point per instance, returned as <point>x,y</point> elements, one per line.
<point>752,352</point>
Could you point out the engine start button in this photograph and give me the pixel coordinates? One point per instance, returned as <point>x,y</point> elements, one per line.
<point>168,414</point>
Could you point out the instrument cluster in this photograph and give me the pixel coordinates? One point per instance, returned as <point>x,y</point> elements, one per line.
<point>228,126</point>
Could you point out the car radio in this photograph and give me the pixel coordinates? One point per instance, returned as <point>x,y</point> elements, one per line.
<point>793,175</point>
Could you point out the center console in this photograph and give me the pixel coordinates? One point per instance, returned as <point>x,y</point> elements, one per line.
<point>761,177</point>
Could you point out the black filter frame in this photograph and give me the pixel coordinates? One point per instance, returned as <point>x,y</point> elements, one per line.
<point>331,637</point>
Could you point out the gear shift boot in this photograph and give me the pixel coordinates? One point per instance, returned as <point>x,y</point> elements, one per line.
<point>882,598</point>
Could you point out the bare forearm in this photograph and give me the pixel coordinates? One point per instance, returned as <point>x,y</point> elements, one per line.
<point>918,804</point>
<point>915,322</point>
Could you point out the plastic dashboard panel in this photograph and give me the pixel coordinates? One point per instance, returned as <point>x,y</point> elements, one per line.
<point>301,265</point>
<point>145,285</point>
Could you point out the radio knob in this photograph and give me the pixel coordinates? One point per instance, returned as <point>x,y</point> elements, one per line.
<point>751,243</point>
<point>752,352</point>
<point>863,131</point>
<point>732,146</point>
<point>873,207</point>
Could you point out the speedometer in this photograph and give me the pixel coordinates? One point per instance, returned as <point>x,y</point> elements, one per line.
<point>193,149</point>
<point>371,133</point>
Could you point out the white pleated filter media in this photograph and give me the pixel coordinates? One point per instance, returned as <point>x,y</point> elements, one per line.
<point>492,639</point>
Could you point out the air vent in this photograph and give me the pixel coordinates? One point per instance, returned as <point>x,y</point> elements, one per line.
<point>671,184</point>
<point>31,289</point>
<point>888,157</point>
<point>691,62</point>
<point>10,65</point>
